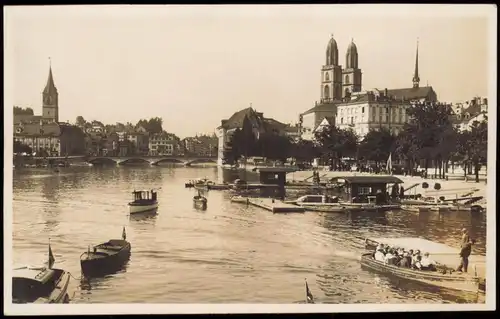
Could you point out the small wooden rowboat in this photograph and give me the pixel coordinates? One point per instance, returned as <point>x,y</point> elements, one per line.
<point>107,257</point>
<point>464,282</point>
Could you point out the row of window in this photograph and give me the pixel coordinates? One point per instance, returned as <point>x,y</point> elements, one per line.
<point>346,78</point>
<point>363,119</point>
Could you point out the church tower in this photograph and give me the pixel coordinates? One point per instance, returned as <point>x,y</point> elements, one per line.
<point>331,74</point>
<point>351,74</point>
<point>416,78</point>
<point>50,98</point>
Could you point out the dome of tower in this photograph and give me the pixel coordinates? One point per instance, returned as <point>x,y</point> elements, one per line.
<point>352,48</point>
<point>352,56</point>
<point>332,52</point>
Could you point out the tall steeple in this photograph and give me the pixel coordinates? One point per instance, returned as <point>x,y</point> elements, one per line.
<point>50,99</point>
<point>50,87</point>
<point>416,78</point>
<point>331,74</point>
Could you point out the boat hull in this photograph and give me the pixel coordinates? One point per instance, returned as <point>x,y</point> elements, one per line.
<point>200,204</point>
<point>324,208</point>
<point>58,295</point>
<point>135,208</point>
<point>464,282</point>
<point>104,265</point>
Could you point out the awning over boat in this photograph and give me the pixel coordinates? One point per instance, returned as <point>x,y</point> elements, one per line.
<point>421,244</point>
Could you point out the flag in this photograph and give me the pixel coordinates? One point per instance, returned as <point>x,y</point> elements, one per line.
<point>51,257</point>
<point>124,234</point>
<point>309,296</point>
<point>388,166</point>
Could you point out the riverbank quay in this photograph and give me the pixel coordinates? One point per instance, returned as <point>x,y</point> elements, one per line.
<point>454,186</point>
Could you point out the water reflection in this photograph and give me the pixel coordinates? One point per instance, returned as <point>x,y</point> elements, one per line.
<point>145,216</point>
<point>224,254</point>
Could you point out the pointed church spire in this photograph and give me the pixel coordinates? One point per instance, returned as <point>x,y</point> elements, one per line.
<point>50,87</point>
<point>416,78</point>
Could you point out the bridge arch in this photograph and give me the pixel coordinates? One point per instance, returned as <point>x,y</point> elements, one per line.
<point>134,160</point>
<point>167,160</point>
<point>201,161</point>
<point>102,161</point>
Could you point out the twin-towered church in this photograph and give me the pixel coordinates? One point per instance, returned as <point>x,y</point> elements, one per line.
<point>343,102</point>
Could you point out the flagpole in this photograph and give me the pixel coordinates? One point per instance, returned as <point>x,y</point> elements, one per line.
<point>305,279</point>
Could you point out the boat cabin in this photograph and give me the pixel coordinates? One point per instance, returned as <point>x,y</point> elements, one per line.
<point>144,195</point>
<point>30,284</point>
<point>368,189</point>
<point>275,176</point>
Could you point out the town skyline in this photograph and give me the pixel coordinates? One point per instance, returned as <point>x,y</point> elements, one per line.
<point>165,66</point>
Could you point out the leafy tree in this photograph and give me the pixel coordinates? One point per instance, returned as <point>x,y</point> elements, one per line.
<point>153,125</point>
<point>233,149</point>
<point>21,148</point>
<point>406,147</point>
<point>336,143</point>
<point>23,111</point>
<point>430,122</point>
<point>473,145</point>
<point>274,146</point>
<point>80,121</point>
<point>120,127</point>
<point>377,145</point>
<point>304,151</point>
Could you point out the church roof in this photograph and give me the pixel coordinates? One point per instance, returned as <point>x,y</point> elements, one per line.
<point>50,87</point>
<point>411,93</point>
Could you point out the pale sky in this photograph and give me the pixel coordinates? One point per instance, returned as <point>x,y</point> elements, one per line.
<point>196,65</point>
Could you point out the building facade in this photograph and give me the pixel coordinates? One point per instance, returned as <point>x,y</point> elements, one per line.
<point>201,145</point>
<point>248,119</point>
<point>372,110</point>
<point>164,144</point>
<point>51,139</point>
<point>465,114</point>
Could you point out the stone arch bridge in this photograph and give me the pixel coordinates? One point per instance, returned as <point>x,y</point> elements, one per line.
<point>152,160</point>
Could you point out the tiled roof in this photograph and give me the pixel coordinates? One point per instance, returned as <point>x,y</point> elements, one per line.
<point>37,129</point>
<point>236,120</point>
<point>411,93</point>
<point>330,119</point>
<point>18,118</point>
<point>473,109</point>
<point>322,107</point>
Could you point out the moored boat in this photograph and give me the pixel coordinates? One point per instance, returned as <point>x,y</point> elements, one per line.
<point>200,201</point>
<point>40,284</point>
<point>320,203</point>
<point>240,199</point>
<point>107,257</point>
<point>143,201</point>
<point>443,254</point>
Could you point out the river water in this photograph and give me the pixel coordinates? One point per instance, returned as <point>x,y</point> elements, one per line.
<point>230,253</point>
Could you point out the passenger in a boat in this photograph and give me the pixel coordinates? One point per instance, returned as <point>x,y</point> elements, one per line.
<point>415,257</point>
<point>427,263</point>
<point>379,255</point>
<point>389,257</point>
<point>405,261</point>
<point>418,263</point>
